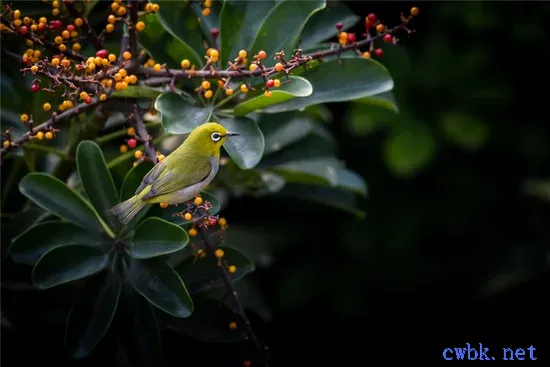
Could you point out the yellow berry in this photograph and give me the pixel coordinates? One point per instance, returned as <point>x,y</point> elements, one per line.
<point>104,62</point>
<point>109,28</point>
<point>65,34</point>
<point>228,91</point>
<point>40,135</point>
<point>414,11</point>
<point>123,148</point>
<point>34,27</point>
<point>67,104</point>
<point>138,154</point>
<point>198,200</point>
<point>278,67</point>
<point>27,20</point>
<point>155,7</point>
<point>16,14</point>
<point>55,61</point>
<point>123,85</point>
<point>205,84</point>
<point>252,67</point>
<point>267,93</point>
<point>192,232</point>
<point>205,12</point>
<point>242,54</point>
<point>160,157</point>
<point>163,205</point>
<point>188,216</point>
<point>214,53</point>
<point>55,4</point>
<point>114,6</point>
<point>43,20</point>
<point>55,12</point>
<point>276,83</point>
<point>78,22</point>
<point>140,26</point>
<point>135,163</point>
<point>62,48</point>
<point>208,3</point>
<point>6,143</point>
<point>46,106</point>
<point>232,269</point>
<point>48,135</point>
<point>118,77</point>
<point>91,67</point>
<point>24,117</point>
<point>34,69</point>
<point>112,57</point>
<point>127,55</point>
<point>133,79</point>
<point>148,7</point>
<point>77,47</point>
<point>83,95</point>
<point>366,55</point>
<point>131,131</point>
<point>58,40</point>
<point>74,34</point>
<point>156,67</point>
<point>262,55</point>
<point>17,22</point>
<point>219,253</point>
<point>185,64</point>
<point>121,10</point>
<point>244,88</point>
<point>102,97</point>
<point>208,94</point>
<point>222,222</point>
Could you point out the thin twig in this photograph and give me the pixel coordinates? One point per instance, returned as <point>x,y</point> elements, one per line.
<point>92,36</point>
<point>142,133</point>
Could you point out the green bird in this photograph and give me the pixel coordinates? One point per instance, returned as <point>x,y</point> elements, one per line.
<point>182,175</point>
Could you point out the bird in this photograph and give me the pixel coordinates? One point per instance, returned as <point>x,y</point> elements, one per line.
<point>182,175</point>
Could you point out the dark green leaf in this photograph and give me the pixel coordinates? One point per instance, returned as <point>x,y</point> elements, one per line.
<point>253,242</point>
<point>161,285</point>
<point>28,247</point>
<point>468,132</point>
<point>96,180</point>
<point>322,25</point>
<point>239,24</point>
<point>136,91</point>
<point>19,223</point>
<point>319,112</point>
<point>65,264</point>
<point>334,82</point>
<point>208,22</point>
<point>408,150</point>
<point>155,237</point>
<point>51,194</point>
<point>369,114</point>
<point>140,331</point>
<point>281,130</point>
<point>169,213</point>
<point>323,171</point>
<point>298,87</point>
<point>247,149</point>
<point>203,274</point>
<point>178,116</point>
<point>351,181</point>
<point>92,314</point>
<point>180,20</point>
<point>537,188</point>
<point>173,49</point>
<point>283,25</point>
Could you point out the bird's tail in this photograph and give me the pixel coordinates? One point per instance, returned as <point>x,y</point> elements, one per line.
<point>128,209</point>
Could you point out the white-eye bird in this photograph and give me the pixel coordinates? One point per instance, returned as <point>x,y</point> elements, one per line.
<point>181,175</point>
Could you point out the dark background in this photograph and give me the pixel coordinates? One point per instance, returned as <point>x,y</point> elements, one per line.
<point>454,252</point>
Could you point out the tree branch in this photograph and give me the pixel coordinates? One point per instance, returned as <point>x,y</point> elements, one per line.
<point>92,36</point>
<point>142,133</point>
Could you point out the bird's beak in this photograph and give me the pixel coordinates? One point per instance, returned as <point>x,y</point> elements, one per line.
<point>232,134</point>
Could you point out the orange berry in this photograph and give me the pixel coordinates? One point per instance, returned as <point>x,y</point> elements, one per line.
<point>366,55</point>
<point>232,269</point>
<point>78,22</point>
<point>24,117</point>
<point>279,67</point>
<point>58,40</point>
<point>46,106</point>
<point>157,67</point>
<point>127,55</point>
<point>229,92</point>
<point>40,135</point>
<point>219,253</point>
<point>140,26</point>
<point>268,93</point>
<point>192,232</point>
<point>205,12</point>
<point>185,64</point>
<point>65,34</point>
<point>414,11</point>
<point>244,88</point>
<point>48,135</point>
<point>112,57</point>
<point>123,148</point>
<point>155,7</point>
<point>55,61</point>
<point>276,83</point>
<point>205,85</point>
<point>198,200</point>
<point>163,205</point>
<point>109,28</point>
<point>262,55</point>
<point>188,216</point>
<point>380,28</point>
<point>123,72</point>
<point>233,325</point>
<point>77,47</point>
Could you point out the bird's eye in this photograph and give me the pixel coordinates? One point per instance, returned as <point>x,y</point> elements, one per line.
<point>215,136</point>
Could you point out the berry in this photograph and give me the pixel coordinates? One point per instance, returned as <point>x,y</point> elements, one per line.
<point>366,55</point>
<point>6,143</point>
<point>123,149</point>
<point>160,157</point>
<point>46,106</point>
<point>109,28</point>
<point>41,27</point>
<point>244,88</point>
<point>164,205</point>
<point>156,67</point>
<point>371,18</point>
<point>228,91</point>
<point>123,72</point>
<point>67,104</point>
<point>40,135</point>
<point>121,10</point>
<point>233,325</point>
<point>112,57</point>
<point>24,118</point>
<point>222,222</point>
<point>252,67</point>
<point>127,55</point>
<point>35,88</point>
<point>192,232</point>
<point>34,27</point>
<point>71,28</point>
<point>205,12</point>
<point>48,135</point>
<point>414,11</point>
<point>78,22</point>
<point>214,32</point>
<point>83,95</point>
<point>270,83</point>
<point>132,143</point>
<point>77,47</point>
<point>55,24</point>
<point>378,52</point>
<point>208,94</point>
<point>138,154</point>
<point>268,93</point>
<point>102,53</point>
<point>155,7</point>
<point>198,201</point>
<point>276,83</point>
<point>278,67</point>
<point>262,55</point>
<point>339,25</point>
<point>188,216</point>
<point>102,97</point>
<point>88,100</point>
<point>214,53</point>
<point>387,38</point>
<point>219,253</point>
<point>205,85</point>
<point>247,363</point>
<point>131,131</point>
<point>242,54</point>
<point>16,14</point>
<point>380,28</point>
<point>62,48</point>
<point>232,269</point>
<point>55,61</point>
<point>24,30</point>
<point>34,69</point>
<point>140,26</point>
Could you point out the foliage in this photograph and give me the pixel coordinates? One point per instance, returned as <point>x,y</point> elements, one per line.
<point>157,72</point>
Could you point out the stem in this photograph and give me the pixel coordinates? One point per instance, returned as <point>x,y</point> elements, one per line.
<point>226,99</point>
<point>143,134</point>
<point>85,26</point>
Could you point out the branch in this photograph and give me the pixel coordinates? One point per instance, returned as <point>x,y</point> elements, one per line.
<point>132,32</point>
<point>142,133</point>
<point>92,36</point>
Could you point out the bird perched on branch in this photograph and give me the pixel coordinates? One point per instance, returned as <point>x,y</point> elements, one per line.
<point>182,175</point>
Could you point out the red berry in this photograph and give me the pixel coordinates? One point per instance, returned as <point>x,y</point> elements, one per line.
<point>102,53</point>
<point>35,88</point>
<point>247,363</point>
<point>55,24</point>
<point>24,30</point>
<point>371,17</point>
<point>339,25</point>
<point>41,26</point>
<point>71,28</point>
<point>378,52</point>
<point>88,100</point>
<point>270,83</point>
<point>214,32</point>
<point>132,143</point>
<point>351,37</point>
<point>212,222</point>
<point>368,25</point>
<point>387,38</point>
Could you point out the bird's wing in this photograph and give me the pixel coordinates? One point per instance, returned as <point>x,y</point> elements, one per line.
<point>175,181</point>
<point>151,176</point>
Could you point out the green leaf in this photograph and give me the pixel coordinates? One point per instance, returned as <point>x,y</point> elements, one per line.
<point>203,274</point>
<point>161,285</point>
<point>96,180</point>
<point>283,25</point>
<point>178,116</point>
<point>208,22</point>
<point>281,130</point>
<point>169,213</point>
<point>172,49</point>
<point>321,171</point>
<point>334,82</point>
<point>51,194</point>
<point>65,264</point>
<point>408,150</point>
<point>466,131</point>
<point>322,25</point>
<point>351,181</point>
<point>247,149</point>
<point>179,19</point>
<point>298,87</point>
<point>239,24</point>
<point>136,91</point>
<point>30,245</point>
<point>369,114</point>
<point>155,237</point>
<point>92,314</point>
<point>539,188</point>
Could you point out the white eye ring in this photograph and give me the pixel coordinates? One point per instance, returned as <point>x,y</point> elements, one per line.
<point>215,136</point>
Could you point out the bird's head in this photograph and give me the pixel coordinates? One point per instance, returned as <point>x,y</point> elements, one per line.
<point>209,137</point>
